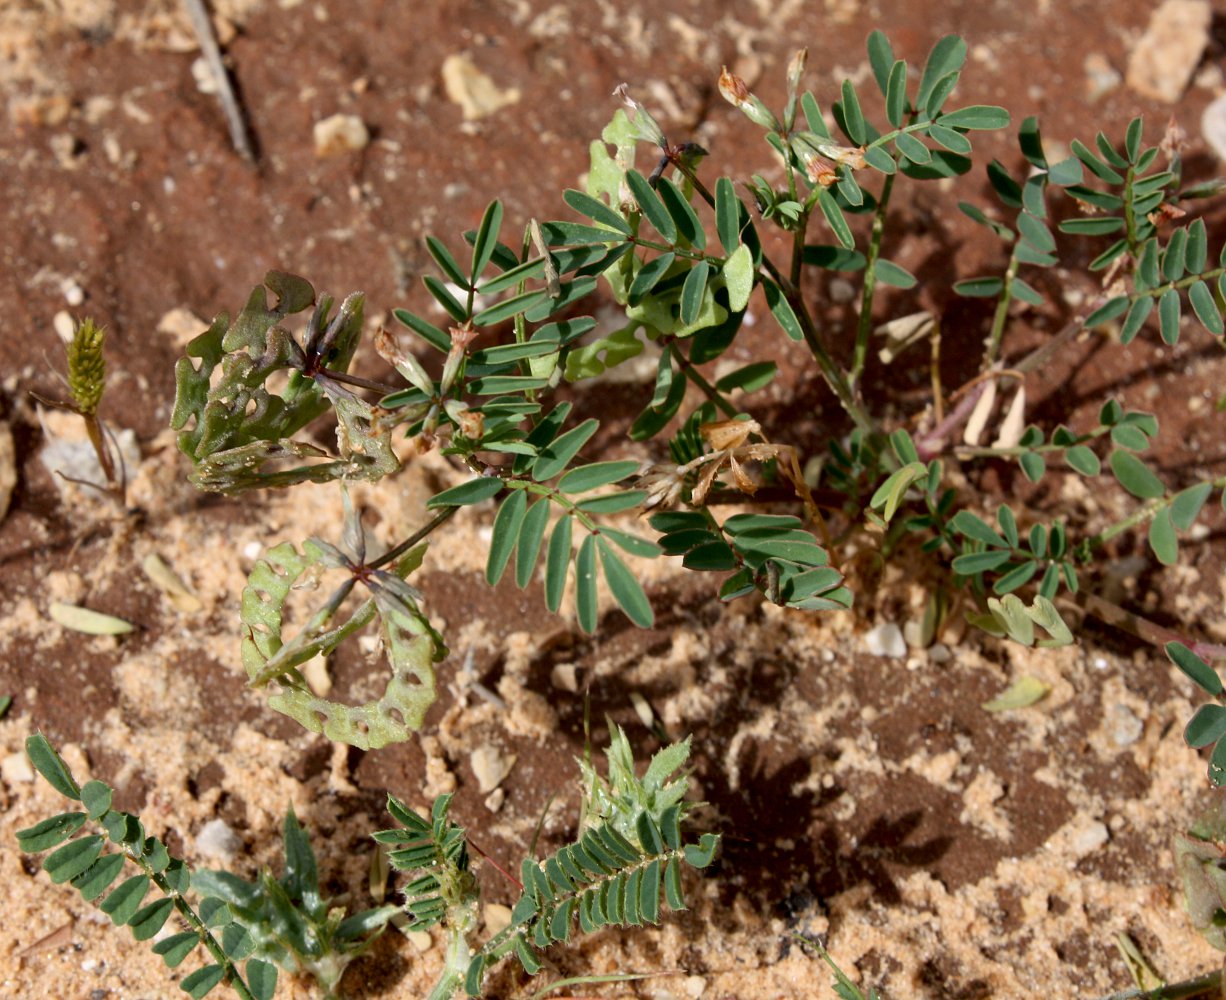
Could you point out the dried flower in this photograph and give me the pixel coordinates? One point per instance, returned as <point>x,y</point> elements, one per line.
<point>646,127</point>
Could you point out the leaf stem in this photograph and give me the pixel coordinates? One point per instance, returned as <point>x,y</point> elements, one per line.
<point>1209,985</point>
<point>392,554</point>
<point>864,325</point>
<point>1139,516</point>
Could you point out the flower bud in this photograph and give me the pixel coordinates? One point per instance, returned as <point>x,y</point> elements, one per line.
<point>735,91</point>
<point>647,129</point>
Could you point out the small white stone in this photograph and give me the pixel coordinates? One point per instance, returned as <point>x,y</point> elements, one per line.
<point>1166,55</point>
<point>340,134</point>
<point>1126,728</point>
<point>491,766</point>
<point>497,917</point>
<point>64,325</point>
<point>1101,76</point>
<point>420,940</point>
<point>217,840</point>
<point>74,294</point>
<point>1213,126</point>
<point>565,677</point>
<point>939,653</point>
<point>886,640</point>
<point>842,291</point>
<point>1089,838</point>
<point>15,768</point>
<point>495,799</point>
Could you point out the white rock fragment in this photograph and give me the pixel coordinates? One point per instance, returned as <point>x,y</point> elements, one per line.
<point>421,940</point>
<point>64,325</point>
<point>1080,837</point>
<point>886,640</point>
<point>16,769</point>
<point>1125,728</point>
<point>475,93</point>
<point>1165,57</point>
<point>217,840</point>
<point>497,917</point>
<point>1101,76</point>
<point>1213,126</point>
<point>491,766</point>
<point>340,134</point>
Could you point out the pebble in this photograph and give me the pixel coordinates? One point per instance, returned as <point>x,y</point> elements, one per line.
<point>217,840</point>
<point>8,468</point>
<point>475,93</point>
<point>497,917</point>
<point>490,765</point>
<point>940,653</point>
<point>1089,838</point>
<point>841,291</point>
<point>886,640</point>
<point>1165,57</point>
<point>340,134</point>
<point>74,294</point>
<point>65,326</point>
<point>1101,76</point>
<point>1126,728</point>
<point>1213,126</point>
<point>15,768</point>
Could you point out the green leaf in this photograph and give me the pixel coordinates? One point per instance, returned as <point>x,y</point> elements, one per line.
<point>557,562</point>
<point>1066,173</point>
<point>555,456</point>
<point>590,477</point>
<point>947,56</point>
<point>693,290</point>
<point>148,920</point>
<point>612,503</point>
<point>505,534</point>
<point>781,309</point>
<point>651,206</point>
<point>895,90</point>
<point>1203,675</point>
<point>427,331</point>
<point>472,492</point>
<point>1187,504</point>
<point>447,264</point>
<point>1017,577</point>
<point>833,258</point>
<point>976,116</point>
<point>979,288</point>
<point>738,272</point>
<point>1173,257</point>
<point>1205,308</point>
<point>510,307</point>
<point>1024,292</point>
<point>585,585</point>
<point>73,858</point>
<point>96,797</point>
<point>1036,232</point>
<point>1137,315</point>
<point>177,947</point>
<point>1162,538</point>
<point>834,218</point>
<point>853,117</point>
<point>487,238</point>
<point>96,879</point>
<point>649,276</point>
<point>1109,310</point>
<point>625,587</point>
<point>1168,316</point>
<point>910,147</point>
<point>689,227</point>
<point>444,298</point>
<point>940,94</point>
<point>1132,140</point>
<point>1097,226</point>
<point>262,977</point>
<point>890,494</point>
<point>125,899</point>
<point>571,234</point>
<point>1135,476</point>
<point>1130,437</point>
<point>596,210</point>
<point>880,159</point>
<point>1033,465</point>
<point>880,56</point>
<point>49,832</point>
<point>751,378</point>
<point>197,984</point>
<point>889,273</point>
<point>979,562</point>
<point>1097,167</point>
<point>1083,460</point>
<point>1207,726</point>
<point>51,766</point>
<point>955,142</point>
<point>727,215</point>
<point>633,544</point>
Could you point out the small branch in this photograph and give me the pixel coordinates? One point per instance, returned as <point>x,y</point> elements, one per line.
<point>864,326</point>
<point>391,555</point>
<point>1147,631</point>
<point>1209,986</point>
<point>357,380</point>
<point>202,24</point>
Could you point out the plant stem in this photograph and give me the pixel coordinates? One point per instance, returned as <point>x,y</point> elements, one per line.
<point>864,325</point>
<point>1139,516</point>
<point>695,376</point>
<point>1002,311</point>
<point>391,555</point>
<point>1143,628</point>
<point>357,380</point>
